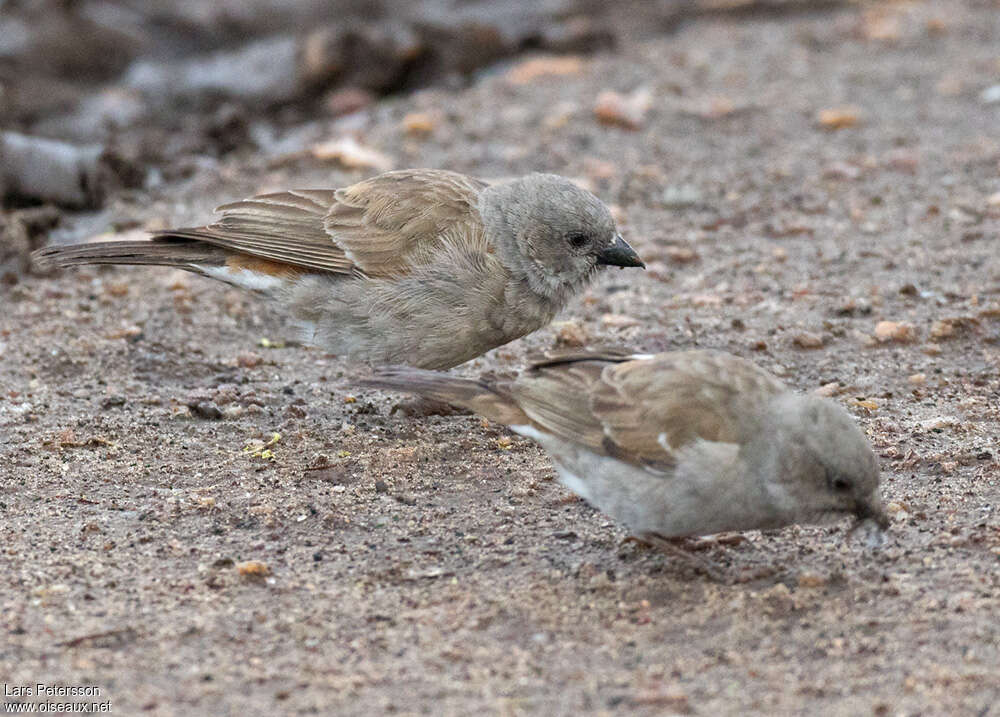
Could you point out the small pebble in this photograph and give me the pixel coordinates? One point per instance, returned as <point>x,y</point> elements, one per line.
<point>549,66</point>
<point>682,254</point>
<point>898,331</point>
<point>807,340</point>
<point>347,100</point>
<point>253,569</point>
<point>991,95</point>
<point>113,402</point>
<point>248,360</point>
<point>811,580</point>
<point>681,196</point>
<point>420,124</point>
<point>618,321</point>
<point>570,334</point>
<point>205,409</point>
<point>942,330</point>
<point>828,389</point>
<point>628,111</point>
<point>838,118</point>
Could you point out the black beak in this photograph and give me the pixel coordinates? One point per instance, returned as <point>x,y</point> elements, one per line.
<point>619,254</point>
<point>868,511</point>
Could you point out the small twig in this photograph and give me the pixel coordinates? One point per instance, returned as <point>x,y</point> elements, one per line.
<point>124,633</point>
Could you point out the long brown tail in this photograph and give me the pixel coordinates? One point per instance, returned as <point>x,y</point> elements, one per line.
<point>489,399</point>
<point>180,252</point>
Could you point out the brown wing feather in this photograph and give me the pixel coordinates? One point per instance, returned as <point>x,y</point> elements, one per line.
<point>182,253</point>
<point>381,226</point>
<point>653,409</point>
<point>390,222</point>
<point>556,396</point>
<point>645,411</point>
<point>282,226</point>
<point>551,357</point>
<point>489,397</point>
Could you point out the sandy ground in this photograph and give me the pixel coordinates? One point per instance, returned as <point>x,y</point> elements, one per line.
<point>433,564</point>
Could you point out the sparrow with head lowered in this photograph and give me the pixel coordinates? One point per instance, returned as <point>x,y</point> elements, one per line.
<point>677,444</point>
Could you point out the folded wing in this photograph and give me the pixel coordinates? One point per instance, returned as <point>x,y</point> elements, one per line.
<point>644,411</point>
<point>381,226</point>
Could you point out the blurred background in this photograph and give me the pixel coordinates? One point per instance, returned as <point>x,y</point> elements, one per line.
<point>149,81</point>
<point>103,96</point>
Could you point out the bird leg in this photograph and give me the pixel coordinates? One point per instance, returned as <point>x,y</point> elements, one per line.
<point>676,547</point>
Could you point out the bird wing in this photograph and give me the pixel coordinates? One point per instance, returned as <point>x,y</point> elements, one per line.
<point>393,221</point>
<point>284,227</point>
<point>381,226</point>
<point>645,411</point>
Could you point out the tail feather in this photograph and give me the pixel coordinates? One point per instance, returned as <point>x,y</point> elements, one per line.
<point>181,252</point>
<point>490,399</point>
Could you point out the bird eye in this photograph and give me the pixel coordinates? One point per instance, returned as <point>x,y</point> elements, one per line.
<point>577,240</point>
<point>840,485</point>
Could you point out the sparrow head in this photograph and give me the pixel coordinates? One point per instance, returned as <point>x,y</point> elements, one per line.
<point>821,464</point>
<point>552,232</point>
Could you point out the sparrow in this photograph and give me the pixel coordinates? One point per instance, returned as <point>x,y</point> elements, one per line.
<point>422,267</point>
<point>677,444</point>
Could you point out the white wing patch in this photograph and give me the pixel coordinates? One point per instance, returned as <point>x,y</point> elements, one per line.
<point>573,482</point>
<point>243,278</point>
<point>528,432</point>
<point>570,480</point>
<point>662,440</point>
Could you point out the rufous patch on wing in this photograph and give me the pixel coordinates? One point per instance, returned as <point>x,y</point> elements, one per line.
<point>262,266</point>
